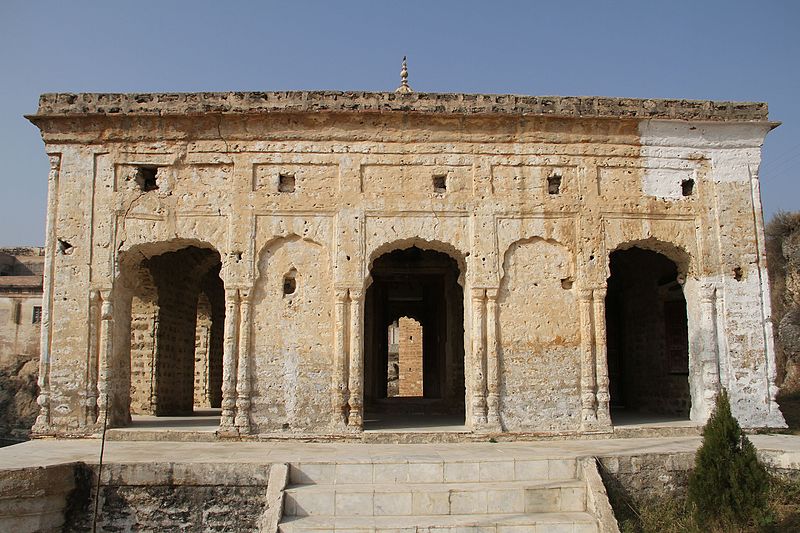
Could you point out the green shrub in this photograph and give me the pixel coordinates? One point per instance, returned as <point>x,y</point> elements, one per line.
<point>728,485</point>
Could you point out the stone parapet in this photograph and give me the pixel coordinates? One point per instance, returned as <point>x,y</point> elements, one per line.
<point>165,104</point>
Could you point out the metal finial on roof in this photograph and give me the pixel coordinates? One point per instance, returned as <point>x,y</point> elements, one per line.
<point>404,87</point>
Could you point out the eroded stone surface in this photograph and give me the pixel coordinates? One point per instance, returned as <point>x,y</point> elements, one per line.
<point>292,198</point>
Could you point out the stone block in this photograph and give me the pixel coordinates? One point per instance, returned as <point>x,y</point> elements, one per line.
<point>542,500</point>
<point>354,503</point>
<point>430,503</point>
<point>496,470</point>
<point>461,472</point>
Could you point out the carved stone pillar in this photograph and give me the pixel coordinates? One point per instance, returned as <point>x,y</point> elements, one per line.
<point>492,363</point>
<point>709,350</point>
<point>478,359</point>
<point>601,359</point>
<point>42,423</point>
<point>229,351</point>
<point>92,358</point>
<point>588,364</point>
<point>106,350</point>
<point>339,385</point>
<point>356,419</point>
<point>243,366</point>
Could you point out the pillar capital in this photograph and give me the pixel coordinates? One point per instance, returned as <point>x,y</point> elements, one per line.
<point>492,293</point>
<point>340,293</point>
<point>232,295</point>
<point>55,161</point>
<point>478,293</point>
<point>356,293</point>
<point>600,293</point>
<point>246,295</point>
<point>707,292</point>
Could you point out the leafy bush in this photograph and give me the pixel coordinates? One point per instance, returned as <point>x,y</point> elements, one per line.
<point>728,486</point>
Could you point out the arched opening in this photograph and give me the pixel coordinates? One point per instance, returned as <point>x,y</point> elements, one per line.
<point>418,291</point>
<point>174,298</point>
<point>647,338</point>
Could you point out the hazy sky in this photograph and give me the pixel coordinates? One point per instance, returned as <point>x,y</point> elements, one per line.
<point>721,50</point>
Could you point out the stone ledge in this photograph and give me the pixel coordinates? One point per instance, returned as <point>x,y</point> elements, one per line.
<point>166,104</point>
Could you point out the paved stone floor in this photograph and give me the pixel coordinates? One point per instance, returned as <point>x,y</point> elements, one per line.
<point>785,449</point>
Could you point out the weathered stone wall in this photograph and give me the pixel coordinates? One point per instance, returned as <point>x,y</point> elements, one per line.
<point>170,497</point>
<point>35,499</point>
<point>540,353</point>
<point>529,196</point>
<point>292,337</point>
<point>144,332</point>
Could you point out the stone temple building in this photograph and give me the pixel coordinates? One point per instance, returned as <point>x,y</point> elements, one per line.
<point>569,261</point>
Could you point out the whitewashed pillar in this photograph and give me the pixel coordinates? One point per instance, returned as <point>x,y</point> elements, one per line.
<point>229,351</point>
<point>243,388</point>
<point>601,359</point>
<point>356,382</point>
<point>588,364</point>
<point>709,351</point>
<point>492,362</point>
<point>478,359</point>
<point>339,385</point>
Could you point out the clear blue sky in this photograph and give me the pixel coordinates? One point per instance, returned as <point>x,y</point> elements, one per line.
<point>722,50</point>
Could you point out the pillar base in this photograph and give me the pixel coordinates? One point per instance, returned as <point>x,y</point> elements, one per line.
<point>227,432</point>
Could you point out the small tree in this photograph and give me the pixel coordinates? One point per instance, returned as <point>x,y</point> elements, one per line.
<point>728,485</point>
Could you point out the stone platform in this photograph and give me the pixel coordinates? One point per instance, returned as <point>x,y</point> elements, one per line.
<point>550,485</point>
<point>50,452</point>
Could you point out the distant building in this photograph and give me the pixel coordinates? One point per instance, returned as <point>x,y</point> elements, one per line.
<point>20,327</point>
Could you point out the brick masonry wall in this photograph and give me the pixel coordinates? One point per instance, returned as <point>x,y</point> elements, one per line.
<point>144,327</point>
<point>410,358</point>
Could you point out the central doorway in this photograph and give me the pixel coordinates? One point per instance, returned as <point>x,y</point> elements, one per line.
<point>414,342</point>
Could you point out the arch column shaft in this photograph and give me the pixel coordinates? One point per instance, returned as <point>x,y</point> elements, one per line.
<point>709,351</point>
<point>492,362</point>
<point>339,389</point>
<point>478,358</point>
<point>229,359</point>
<point>588,361</point>
<point>601,358</point>
<point>356,378</point>
<point>106,349</point>
<point>242,420</point>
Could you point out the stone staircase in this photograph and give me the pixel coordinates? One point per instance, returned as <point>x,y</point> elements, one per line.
<point>501,494</point>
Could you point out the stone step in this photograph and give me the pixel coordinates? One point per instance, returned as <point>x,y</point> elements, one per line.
<point>432,470</point>
<point>435,498</point>
<point>578,522</point>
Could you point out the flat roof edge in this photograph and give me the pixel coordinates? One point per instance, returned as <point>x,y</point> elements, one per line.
<point>174,104</point>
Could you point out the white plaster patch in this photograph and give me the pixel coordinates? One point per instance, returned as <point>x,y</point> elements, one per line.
<point>666,183</point>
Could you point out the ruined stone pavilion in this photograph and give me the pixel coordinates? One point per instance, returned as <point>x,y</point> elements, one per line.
<point>566,260</point>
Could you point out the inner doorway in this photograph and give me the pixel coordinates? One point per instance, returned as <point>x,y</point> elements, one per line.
<point>414,342</point>
<point>647,339</point>
<point>177,315</point>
